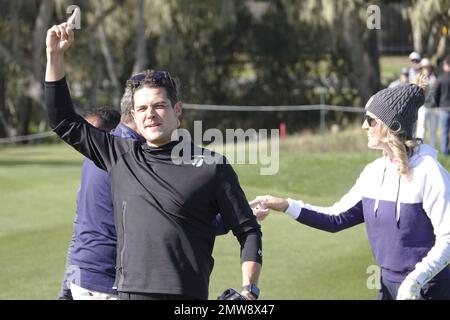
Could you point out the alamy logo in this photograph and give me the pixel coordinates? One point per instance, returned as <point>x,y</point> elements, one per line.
<point>70,10</point>
<point>373,17</point>
<point>373,281</point>
<point>239,147</point>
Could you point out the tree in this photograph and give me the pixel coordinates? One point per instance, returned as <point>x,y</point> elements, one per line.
<point>225,52</point>
<point>108,56</point>
<point>140,60</point>
<point>2,104</point>
<point>430,27</point>
<point>24,61</point>
<point>354,45</point>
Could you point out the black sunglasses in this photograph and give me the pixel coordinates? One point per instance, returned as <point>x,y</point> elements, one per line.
<point>371,121</point>
<point>160,78</point>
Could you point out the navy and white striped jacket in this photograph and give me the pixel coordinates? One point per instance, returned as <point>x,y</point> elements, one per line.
<point>407,221</point>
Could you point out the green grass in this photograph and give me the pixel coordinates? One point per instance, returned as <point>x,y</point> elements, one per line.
<point>391,66</point>
<point>38,186</point>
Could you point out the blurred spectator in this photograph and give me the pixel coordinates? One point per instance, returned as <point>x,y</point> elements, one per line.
<point>427,117</point>
<point>415,58</point>
<point>440,97</point>
<point>402,80</point>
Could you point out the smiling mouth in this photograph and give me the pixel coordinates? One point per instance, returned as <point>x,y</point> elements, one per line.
<point>154,125</point>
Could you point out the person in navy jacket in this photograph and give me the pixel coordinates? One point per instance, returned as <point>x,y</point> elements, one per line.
<point>91,258</point>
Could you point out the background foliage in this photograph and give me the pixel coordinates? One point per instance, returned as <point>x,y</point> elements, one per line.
<point>280,52</point>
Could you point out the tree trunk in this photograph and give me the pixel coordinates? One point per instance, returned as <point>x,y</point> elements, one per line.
<point>106,51</point>
<point>140,62</point>
<point>98,75</point>
<point>15,8</point>
<point>428,18</point>
<point>41,25</point>
<point>36,74</point>
<point>372,55</point>
<point>2,104</point>
<point>347,29</point>
<point>25,117</point>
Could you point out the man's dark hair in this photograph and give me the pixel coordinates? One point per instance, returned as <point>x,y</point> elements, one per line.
<point>106,118</point>
<point>447,60</point>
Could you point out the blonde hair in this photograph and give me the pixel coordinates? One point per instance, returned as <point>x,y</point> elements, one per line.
<point>402,148</point>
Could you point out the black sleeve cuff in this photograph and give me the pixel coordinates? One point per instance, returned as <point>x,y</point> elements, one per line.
<point>251,247</point>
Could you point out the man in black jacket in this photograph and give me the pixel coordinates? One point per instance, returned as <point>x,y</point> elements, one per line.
<point>164,210</point>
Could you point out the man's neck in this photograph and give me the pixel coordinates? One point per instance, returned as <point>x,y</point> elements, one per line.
<point>158,144</point>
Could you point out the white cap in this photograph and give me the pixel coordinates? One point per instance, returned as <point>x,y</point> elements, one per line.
<point>425,63</point>
<point>415,56</point>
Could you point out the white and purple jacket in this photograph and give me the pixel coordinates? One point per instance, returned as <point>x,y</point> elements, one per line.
<point>407,222</point>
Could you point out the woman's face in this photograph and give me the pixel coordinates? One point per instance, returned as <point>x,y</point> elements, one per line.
<point>375,136</point>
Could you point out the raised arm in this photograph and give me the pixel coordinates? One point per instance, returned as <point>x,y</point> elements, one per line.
<point>103,149</point>
<point>59,39</point>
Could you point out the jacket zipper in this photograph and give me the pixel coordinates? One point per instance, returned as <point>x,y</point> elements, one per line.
<point>121,268</point>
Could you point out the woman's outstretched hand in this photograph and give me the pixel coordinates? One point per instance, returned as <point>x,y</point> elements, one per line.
<point>261,205</point>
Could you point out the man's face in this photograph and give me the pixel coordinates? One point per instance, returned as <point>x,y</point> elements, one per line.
<point>446,67</point>
<point>155,116</point>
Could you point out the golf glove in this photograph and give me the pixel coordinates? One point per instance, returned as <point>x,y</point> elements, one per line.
<point>409,290</point>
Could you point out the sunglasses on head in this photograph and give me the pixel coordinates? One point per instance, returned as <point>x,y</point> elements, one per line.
<point>371,121</point>
<point>160,78</point>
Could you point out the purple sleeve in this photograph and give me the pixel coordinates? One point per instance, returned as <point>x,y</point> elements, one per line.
<point>332,223</point>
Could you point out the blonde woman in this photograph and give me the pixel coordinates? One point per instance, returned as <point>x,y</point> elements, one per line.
<point>403,198</point>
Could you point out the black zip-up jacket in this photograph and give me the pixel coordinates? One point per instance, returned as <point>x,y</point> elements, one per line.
<point>440,93</point>
<point>164,212</point>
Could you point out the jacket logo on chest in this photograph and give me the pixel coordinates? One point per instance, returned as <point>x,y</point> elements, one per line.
<point>197,161</point>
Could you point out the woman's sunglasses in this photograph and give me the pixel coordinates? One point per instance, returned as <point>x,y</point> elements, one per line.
<point>371,121</point>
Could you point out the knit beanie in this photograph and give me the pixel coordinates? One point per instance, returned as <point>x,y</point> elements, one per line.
<point>397,107</point>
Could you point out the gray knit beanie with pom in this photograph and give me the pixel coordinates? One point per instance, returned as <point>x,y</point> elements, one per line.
<point>397,107</point>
